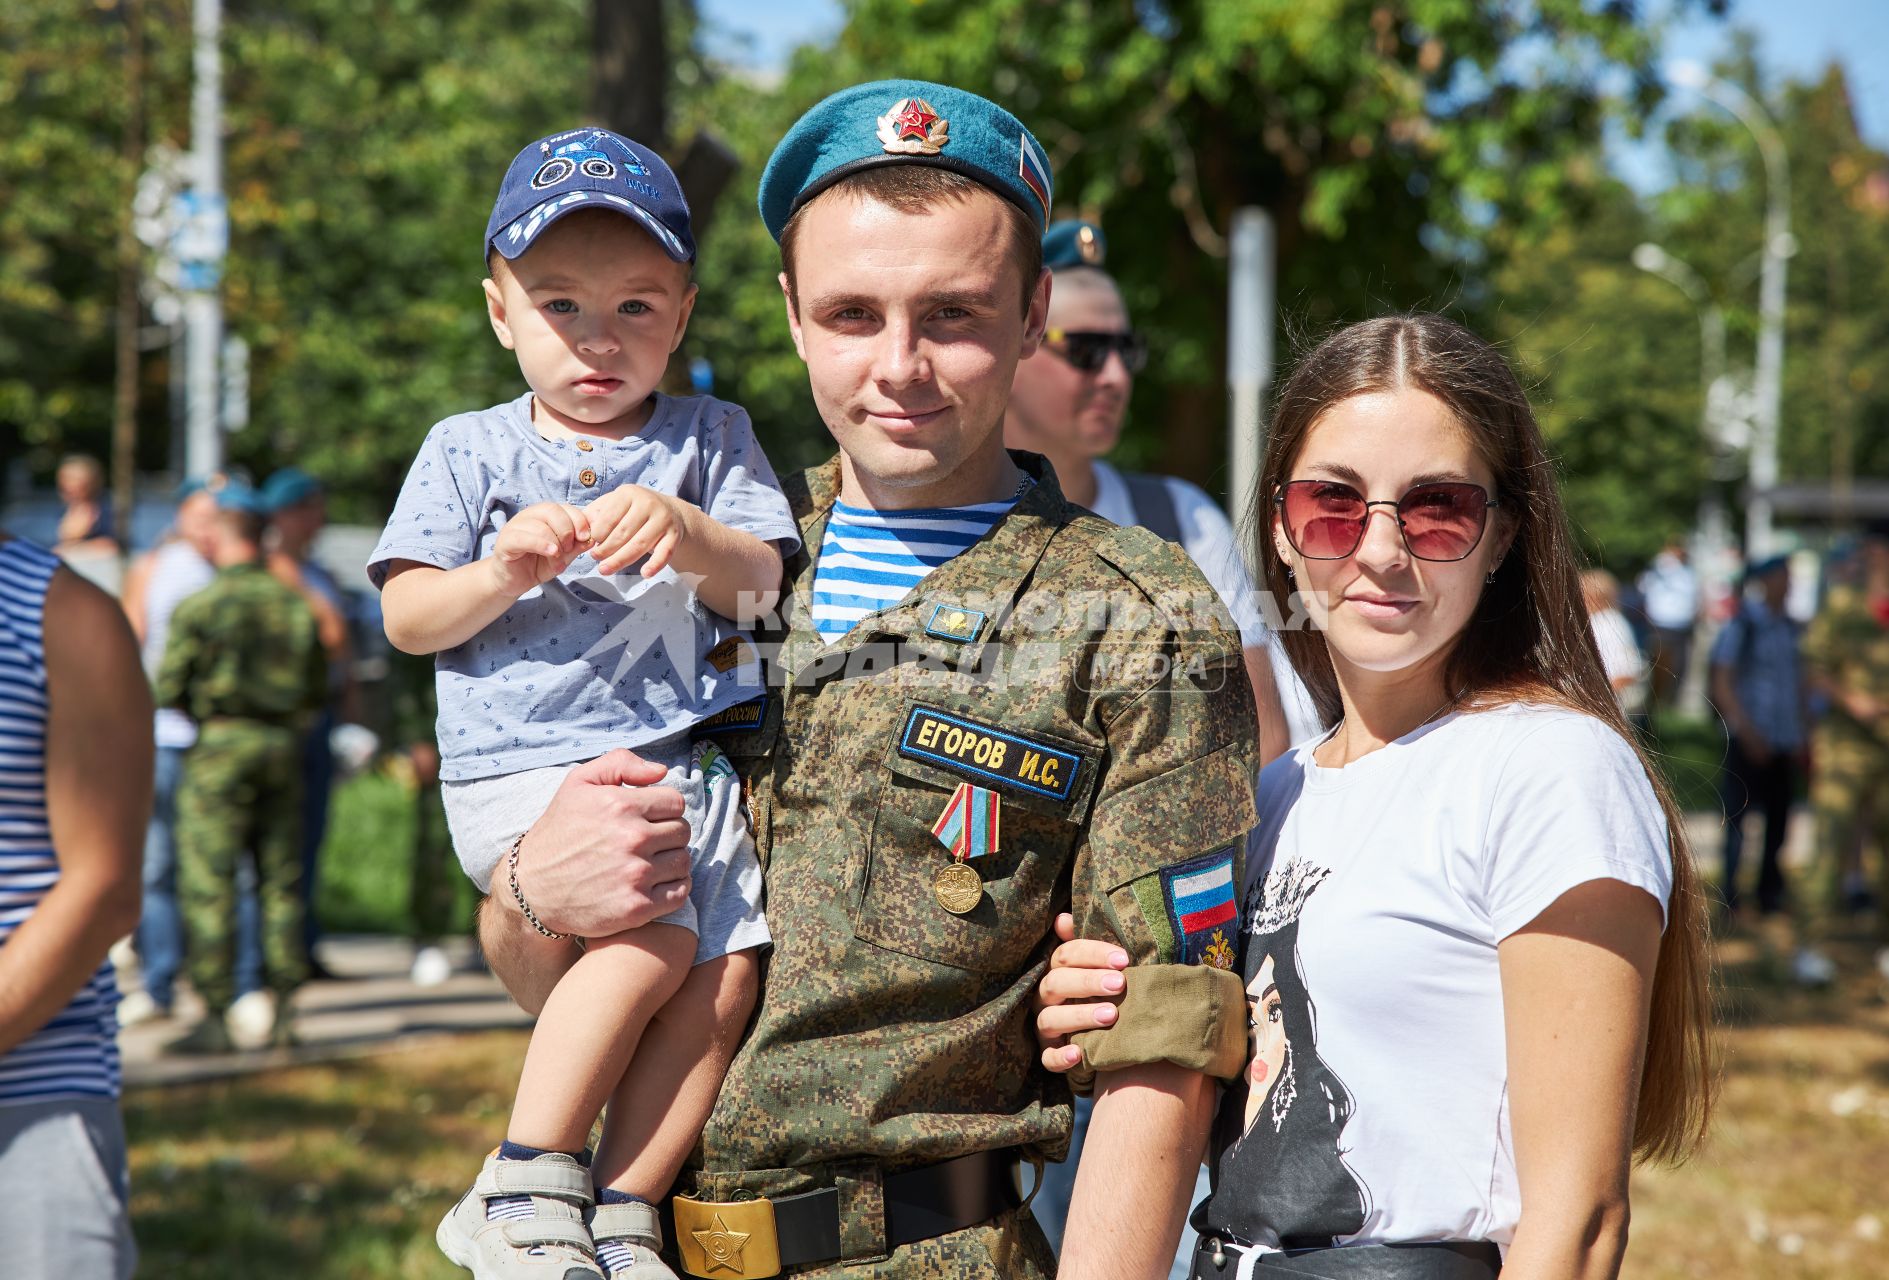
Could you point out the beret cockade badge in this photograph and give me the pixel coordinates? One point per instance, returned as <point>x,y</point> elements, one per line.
<point>912,128</point>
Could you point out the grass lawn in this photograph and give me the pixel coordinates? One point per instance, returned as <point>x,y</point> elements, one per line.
<point>343,1170</point>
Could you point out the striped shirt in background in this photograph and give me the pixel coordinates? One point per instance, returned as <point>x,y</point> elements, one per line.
<point>75,1055</point>
<point>871,560</point>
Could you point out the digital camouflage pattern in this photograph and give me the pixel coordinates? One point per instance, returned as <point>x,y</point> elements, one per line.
<point>241,794</point>
<point>1102,696</point>
<point>245,647</point>
<point>1847,646</point>
<point>243,660</point>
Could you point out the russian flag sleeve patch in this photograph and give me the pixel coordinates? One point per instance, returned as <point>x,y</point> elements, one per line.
<point>1199,898</point>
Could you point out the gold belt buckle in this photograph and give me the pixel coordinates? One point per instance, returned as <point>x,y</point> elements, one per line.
<point>727,1239</point>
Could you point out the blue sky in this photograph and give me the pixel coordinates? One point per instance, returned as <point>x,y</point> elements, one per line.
<point>1798,38</point>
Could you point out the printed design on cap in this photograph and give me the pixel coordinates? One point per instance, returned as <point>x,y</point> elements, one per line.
<point>1033,168</point>
<point>912,128</point>
<point>583,157</point>
<point>1200,909</point>
<point>983,751</point>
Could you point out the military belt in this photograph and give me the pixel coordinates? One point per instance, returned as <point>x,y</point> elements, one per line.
<point>754,1239</point>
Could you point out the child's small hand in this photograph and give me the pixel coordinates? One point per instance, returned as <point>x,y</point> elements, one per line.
<point>633,522</point>
<point>537,544</point>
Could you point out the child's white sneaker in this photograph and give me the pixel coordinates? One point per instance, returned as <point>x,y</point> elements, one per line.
<point>627,1237</point>
<point>551,1244</point>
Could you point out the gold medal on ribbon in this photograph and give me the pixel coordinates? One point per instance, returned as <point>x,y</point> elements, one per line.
<point>959,888</point>
<point>968,828</point>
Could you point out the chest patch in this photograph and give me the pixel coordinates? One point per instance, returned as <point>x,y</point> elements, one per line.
<point>982,751</point>
<point>742,716</point>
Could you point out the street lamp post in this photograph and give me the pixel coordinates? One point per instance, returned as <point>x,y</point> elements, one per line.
<point>1768,381</point>
<point>1711,541</point>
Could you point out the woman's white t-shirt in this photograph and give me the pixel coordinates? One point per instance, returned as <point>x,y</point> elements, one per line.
<point>1375,1108</point>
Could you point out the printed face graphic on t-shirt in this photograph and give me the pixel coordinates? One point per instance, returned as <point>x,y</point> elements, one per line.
<point>1281,1172</point>
<point>1265,1016</point>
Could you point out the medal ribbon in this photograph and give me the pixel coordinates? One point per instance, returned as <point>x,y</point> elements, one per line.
<point>969,825</point>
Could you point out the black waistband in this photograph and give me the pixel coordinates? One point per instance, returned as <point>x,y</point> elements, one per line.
<point>1440,1260</point>
<point>920,1204</point>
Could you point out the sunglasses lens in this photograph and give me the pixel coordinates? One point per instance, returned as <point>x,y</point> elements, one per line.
<point>1443,521</point>
<point>1323,519</point>
<point>1088,351</point>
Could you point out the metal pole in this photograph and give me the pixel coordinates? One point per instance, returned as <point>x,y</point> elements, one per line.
<point>130,311</point>
<point>1250,302</point>
<point>1768,378</point>
<point>205,238</point>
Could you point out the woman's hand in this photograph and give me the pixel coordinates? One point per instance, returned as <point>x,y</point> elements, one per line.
<point>1079,993</point>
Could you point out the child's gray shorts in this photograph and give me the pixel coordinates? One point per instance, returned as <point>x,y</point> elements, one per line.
<point>724,906</point>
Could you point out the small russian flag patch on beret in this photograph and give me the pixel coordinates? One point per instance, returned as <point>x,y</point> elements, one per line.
<point>1034,170</point>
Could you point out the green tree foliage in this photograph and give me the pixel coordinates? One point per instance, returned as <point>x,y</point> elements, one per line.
<point>1615,354</point>
<point>62,191</point>
<point>1438,153</point>
<point>1383,138</point>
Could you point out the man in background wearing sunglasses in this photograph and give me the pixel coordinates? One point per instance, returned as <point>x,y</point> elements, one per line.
<point>1067,402</point>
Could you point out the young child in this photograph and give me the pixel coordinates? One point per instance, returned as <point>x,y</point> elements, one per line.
<point>503,557</point>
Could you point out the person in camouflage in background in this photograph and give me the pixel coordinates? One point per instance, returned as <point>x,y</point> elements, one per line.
<point>1846,654</point>
<point>414,713</point>
<point>245,662</point>
<point>1055,718</point>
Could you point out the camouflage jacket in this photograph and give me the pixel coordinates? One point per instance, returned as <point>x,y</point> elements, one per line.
<point>1082,675</point>
<point>1848,646</point>
<point>245,647</point>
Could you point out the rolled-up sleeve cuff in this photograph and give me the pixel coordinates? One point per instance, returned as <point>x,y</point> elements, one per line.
<point>1191,1015</point>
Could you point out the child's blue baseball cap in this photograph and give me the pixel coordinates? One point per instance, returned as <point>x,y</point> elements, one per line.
<point>904,122</point>
<point>588,169</point>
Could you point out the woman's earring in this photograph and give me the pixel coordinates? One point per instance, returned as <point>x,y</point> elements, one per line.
<point>1290,576</point>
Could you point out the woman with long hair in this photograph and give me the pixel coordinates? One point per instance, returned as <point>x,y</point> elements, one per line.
<point>1474,936</point>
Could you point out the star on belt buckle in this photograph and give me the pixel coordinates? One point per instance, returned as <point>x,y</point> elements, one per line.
<point>727,1239</point>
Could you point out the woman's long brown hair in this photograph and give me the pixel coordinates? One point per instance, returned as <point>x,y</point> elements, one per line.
<point>1529,640</point>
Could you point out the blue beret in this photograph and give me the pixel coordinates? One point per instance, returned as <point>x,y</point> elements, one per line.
<point>904,122</point>
<point>240,495</point>
<point>289,486</point>
<point>1074,243</point>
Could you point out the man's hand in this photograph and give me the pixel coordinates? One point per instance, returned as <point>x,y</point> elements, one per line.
<point>632,522</point>
<point>610,853</point>
<point>538,544</point>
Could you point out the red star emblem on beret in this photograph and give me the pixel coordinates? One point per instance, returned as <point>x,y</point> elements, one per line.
<point>915,121</point>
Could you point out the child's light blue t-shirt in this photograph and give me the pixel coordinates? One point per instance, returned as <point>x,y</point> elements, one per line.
<point>585,663</point>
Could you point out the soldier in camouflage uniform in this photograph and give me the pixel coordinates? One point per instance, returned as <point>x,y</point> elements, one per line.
<point>245,662</point>
<point>1071,682</point>
<point>1846,653</point>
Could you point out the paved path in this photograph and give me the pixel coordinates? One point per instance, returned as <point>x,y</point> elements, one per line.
<point>375,1006</point>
